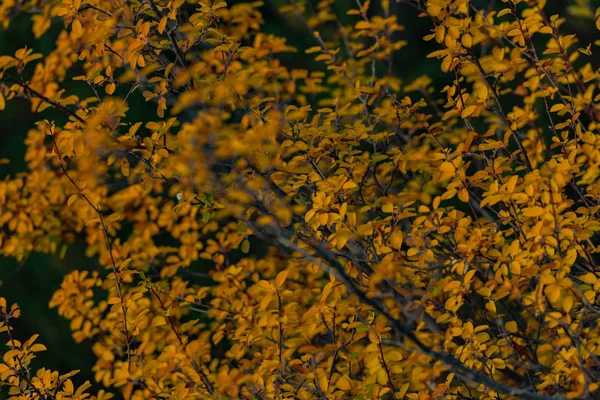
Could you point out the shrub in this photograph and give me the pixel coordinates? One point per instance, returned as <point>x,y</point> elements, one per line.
<point>367,237</point>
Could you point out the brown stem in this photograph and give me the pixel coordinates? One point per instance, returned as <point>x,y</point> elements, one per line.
<point>108,246</point>
<point>35,93</point>
<point>168,316</point>
<point>178,53</point>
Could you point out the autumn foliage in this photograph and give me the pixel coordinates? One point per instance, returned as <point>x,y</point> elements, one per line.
<point>367,237</point>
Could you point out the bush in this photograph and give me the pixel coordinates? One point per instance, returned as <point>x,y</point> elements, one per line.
<point>366,237</point>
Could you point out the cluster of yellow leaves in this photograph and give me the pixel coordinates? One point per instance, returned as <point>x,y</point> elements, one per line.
<point>20,380</point>
<point>367,237</point>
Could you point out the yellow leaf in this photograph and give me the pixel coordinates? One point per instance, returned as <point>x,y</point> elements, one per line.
<point>323,218</point>
<point>467,40</point>
<point>570,257</point>
<point>469,277</point>
<point>265,285</point>
<point>413,251</point>
<point>363,25</point>
<point>588,278</point>
<point>280,279</point>
<point>162,24</point>
<point>400,394</point>
<point>485,291</point>
<point>125,168</point>
<point>245,246</point>
<point>159,320</point>
<point>452,304</point>
<point>393,356</point>
<point>342,236</point>
<point>264,303</point>
<point>447,170</point>
<point>77,28</point>
<point>445,228</point>
<point>381,376</point>
<point>468,111</point>
<point>72,199</point>
<point>545,354</point>
<point>110,88</point>
<point>323,381</point>
<point>309,214</point>
<point>364,230</point>
<point>396,240</point>
<point>567,303</point>
<point>491,200</point>
<point>512,182</point>
<point>388,208</point>
<point>553,293</point>
<point>511,326</point>
<point>440,32</point>
<point>533,211</point>
<point>37,347</point>
<point>344,383</point>
<point>515,267</point>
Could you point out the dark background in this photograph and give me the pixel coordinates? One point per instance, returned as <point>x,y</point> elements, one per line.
<point>32,282</point>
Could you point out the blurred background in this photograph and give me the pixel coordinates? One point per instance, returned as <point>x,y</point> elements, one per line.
<point>32,282</point>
